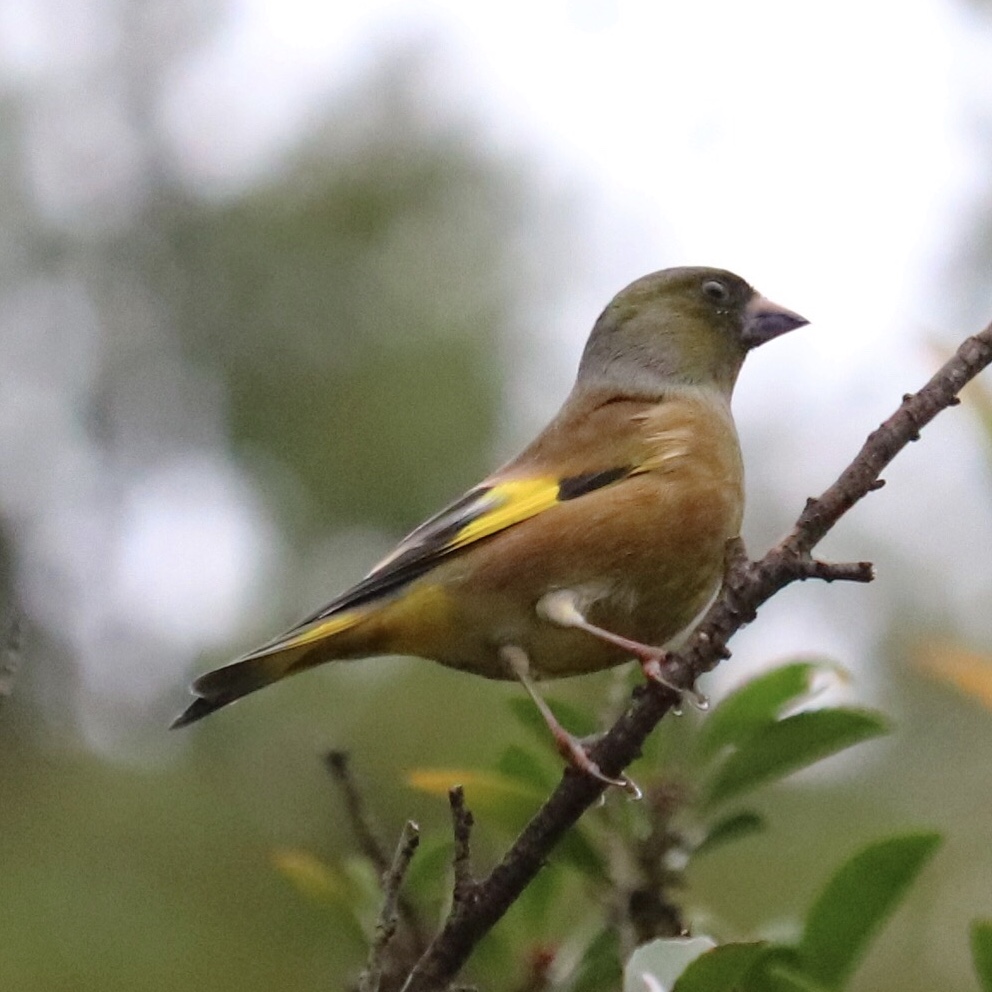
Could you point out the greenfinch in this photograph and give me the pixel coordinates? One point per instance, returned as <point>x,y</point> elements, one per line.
<point>602,542</point>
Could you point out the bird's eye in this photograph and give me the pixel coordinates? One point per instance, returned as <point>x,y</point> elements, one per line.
<point>716,291</point>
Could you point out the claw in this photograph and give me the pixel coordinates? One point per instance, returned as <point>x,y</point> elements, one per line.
<point>568,745</point>
<point>571,749</point>
<point>653,672</point>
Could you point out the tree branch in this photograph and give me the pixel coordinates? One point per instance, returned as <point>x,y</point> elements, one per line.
<point>748,585</point>
<point>337,764</point>
<point>462,821</point>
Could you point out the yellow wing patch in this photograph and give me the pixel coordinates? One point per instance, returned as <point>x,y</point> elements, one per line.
<point>512,502</point>
<point>480,513</point>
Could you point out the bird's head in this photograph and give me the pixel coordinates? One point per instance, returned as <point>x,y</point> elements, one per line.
<point>680,327</point>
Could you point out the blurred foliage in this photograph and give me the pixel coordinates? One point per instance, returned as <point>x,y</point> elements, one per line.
<point>838,928</point>
<point>619,879</point>
<point>375,276</point>
<point>339,328</point>
<point>981,949</point>
<point>617,886</point>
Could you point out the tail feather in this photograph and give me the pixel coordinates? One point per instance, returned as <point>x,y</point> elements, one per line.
<point>224,685</point>
<point>293,653</point>
<point>196,710</point>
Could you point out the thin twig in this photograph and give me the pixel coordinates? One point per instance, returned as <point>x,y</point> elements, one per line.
<point>337,764</point>
<point>385,927</point>
<point>368,841</point>
<point>748,586</point>
<point>10,657</point>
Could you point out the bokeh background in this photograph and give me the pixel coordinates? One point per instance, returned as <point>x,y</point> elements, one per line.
<point>279,278</point>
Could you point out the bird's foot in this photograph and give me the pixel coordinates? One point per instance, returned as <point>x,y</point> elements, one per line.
<point>570,747</point>
<point>561,607</point>
<point>573,750</point>
<point>653,666</point>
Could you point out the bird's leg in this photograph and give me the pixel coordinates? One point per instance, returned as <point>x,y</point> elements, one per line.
<point>561,608</point>
<point>569,746</point>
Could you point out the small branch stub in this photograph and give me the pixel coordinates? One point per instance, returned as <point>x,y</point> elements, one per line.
<point>337,764</point>
<point>385,927</point>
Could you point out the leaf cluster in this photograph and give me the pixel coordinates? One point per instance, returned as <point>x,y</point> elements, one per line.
<point>617,889</point>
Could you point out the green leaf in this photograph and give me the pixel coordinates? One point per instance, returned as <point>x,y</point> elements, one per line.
<point>366,883</point>
<point>730,828</point>
<point>427,876</point>
<point>663,961</point>
<point>780,748</point>
<point>599,967</point>
<point>722,969</point>
<point>981,952</point>
<point>757,703</point>
<point>856,902</point>
<point>535,906</point>
<point>779,978</point>
<point>575,849</point>
<point>519,763</point>
<point>312,877</point>
<point>576,720</point>
<point>776,971</point>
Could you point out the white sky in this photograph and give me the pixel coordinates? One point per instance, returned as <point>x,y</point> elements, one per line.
<point>821,151</point>
<point>808,147</point>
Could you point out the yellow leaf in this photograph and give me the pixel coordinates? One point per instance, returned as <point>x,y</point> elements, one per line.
<point>478,785</point>
<point>312,877</point>
<point>968,671</point>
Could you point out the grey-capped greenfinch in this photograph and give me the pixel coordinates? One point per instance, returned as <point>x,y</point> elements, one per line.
<point>602,541</point>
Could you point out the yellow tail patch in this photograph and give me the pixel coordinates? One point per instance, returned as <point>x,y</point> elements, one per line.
<point>316,631</point>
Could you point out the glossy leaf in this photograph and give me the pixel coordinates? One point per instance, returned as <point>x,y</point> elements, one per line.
<point>856,902</point>
<point>757,703</point>
<point>785,746</point>
<point>721,969</point>
<point>731,828</point>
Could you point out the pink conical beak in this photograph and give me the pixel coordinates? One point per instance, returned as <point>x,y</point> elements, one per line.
<point>764,320</point>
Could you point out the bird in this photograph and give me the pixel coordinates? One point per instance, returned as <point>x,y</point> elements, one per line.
<point>603,541</point>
